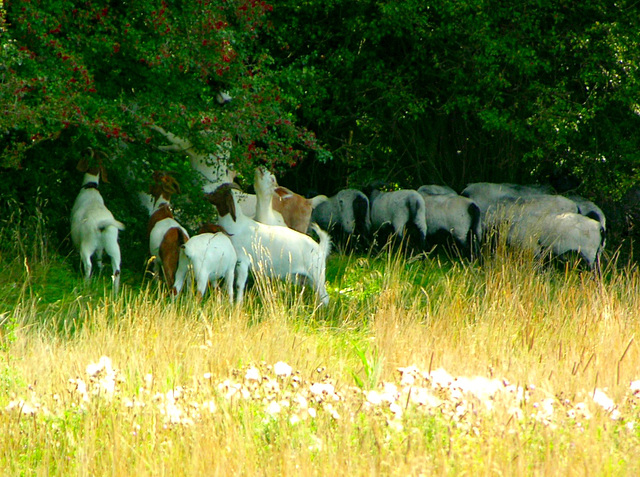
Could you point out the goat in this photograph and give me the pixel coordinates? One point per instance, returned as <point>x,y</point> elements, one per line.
<point>276,205</point>
<point>453,216</point>
<point>166,235</point>
<point>399,209</point>
<point>265,185</point>
<point>346,213</point>
<point>295,209</point>
<point>212,256</point>
<point>275,251</point>
<point>93,227</point>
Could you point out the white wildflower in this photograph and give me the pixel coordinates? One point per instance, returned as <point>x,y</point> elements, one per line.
<point>282,369</point>
<point>602,400</point>
<point>294,419</point>
<point>253,374</point>
<point>273,408</point>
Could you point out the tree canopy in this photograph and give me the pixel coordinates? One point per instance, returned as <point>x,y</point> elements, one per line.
<point>330,93</point>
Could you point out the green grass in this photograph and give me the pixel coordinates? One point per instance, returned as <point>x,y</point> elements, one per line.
<point>182,399</point>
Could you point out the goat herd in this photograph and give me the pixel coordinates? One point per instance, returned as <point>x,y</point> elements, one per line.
<point>267,232</point>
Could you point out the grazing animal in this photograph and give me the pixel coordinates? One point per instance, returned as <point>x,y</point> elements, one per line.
<point>295,209</point>
<point>588,208</point>
<point>276,205</point>
<point>488,195</point>
<point>559,234</point>
<point>166,235</point>
<point>93,227</point>
<point>275,251</point>
<point>265,185</point>
<point>400,209</point>
<point>212,256</point>
<point>452,216</point>
<point>345,214</point>
<point>213,169</point>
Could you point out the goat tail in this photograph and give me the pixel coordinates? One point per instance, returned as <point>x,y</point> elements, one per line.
<point>325,240</point>
<point>103,224</point>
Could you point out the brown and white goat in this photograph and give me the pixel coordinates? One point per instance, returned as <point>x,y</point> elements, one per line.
<point>295,209</point>
<point>166,235</point>
<point>93,227</point>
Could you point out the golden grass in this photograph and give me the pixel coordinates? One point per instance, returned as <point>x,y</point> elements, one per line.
<point>185,401</point>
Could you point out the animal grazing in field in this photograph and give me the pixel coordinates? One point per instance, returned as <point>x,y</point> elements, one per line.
<point>400,209</point>
<point>345,214</point>
<point>166,235</point>
<point>452,216</point>
<point>276,205</point>
<point>212,257</point>
<point>559,234</point>
<point>488,195</point>
<point>590,209</point>
<point>93,227</point>
<point>274,251</point>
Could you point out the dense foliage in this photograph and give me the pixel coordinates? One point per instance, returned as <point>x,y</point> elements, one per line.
<point>100,74</point>
<point>457,92</point>
<point>411,91</point>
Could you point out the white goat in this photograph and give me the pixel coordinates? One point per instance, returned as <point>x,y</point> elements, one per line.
<point>265,185</point>
<point>212,257</point>
<point>277,205</point>
<point>400,209</point>
<point>453,216</point>
<point>275,251</point>
<point>346,213</point>
<point>93,228</point>
<point>166,235</point>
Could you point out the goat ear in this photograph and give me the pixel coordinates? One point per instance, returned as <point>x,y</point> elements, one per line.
<point>83,164</point>
<point>103,174</point>
<point>231,204</point>
<point>283,192</point>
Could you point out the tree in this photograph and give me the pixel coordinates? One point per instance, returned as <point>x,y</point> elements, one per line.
<point>456,92</point>
<point>102,73</point>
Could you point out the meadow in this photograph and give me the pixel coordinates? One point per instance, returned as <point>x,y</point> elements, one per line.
<point>419,366</point>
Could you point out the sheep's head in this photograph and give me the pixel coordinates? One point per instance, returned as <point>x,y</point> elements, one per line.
<point>91,163</point>
<point>223,199</point>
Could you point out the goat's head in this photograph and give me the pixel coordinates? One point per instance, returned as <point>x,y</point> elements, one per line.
<point>223,199</point>
<point>91,163</point>
<point>164,185</point>
<point>264,181</point>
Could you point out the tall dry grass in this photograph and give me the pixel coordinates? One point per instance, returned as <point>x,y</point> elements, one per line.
<point>195,389</point>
